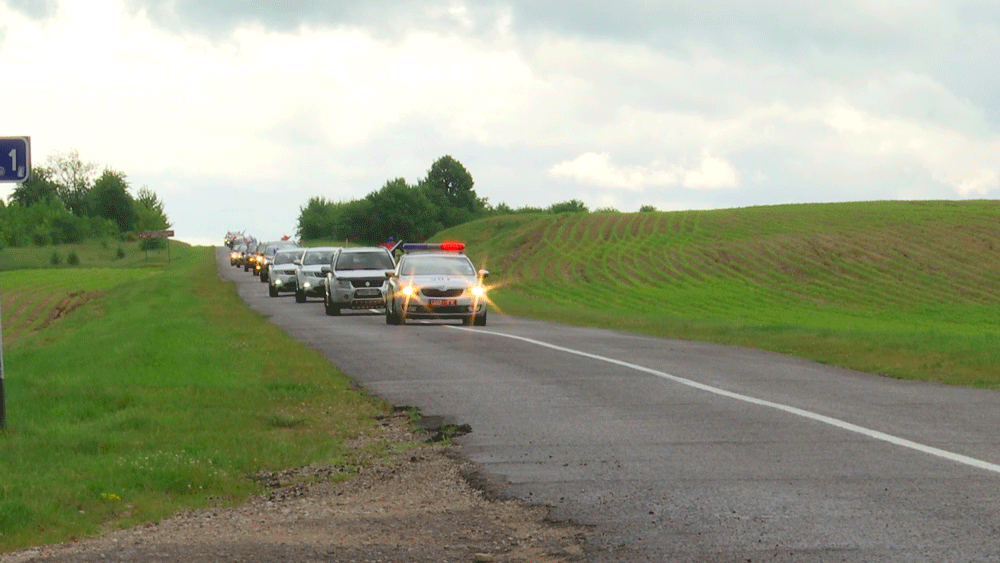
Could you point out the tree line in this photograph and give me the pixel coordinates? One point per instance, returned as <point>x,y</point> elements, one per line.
<point>401,211</point>
<point>67,201</point>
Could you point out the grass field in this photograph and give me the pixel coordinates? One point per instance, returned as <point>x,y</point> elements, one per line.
<point>133,392</point>
<point>906,289</point>
<point>106,253</point>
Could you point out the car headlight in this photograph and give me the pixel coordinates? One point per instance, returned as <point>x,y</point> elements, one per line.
<point>478,291</point>
<point>409,290</point>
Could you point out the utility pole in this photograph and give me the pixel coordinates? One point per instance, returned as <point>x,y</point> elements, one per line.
<point>3,408</point>
<point>15,166</point>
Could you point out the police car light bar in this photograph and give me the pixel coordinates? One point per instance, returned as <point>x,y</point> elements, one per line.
<point>447,246</point>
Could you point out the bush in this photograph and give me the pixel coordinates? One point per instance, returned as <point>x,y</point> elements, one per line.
<point>121,253</point>
<point>41,237</point>
<point>153,243</point>
<point>72,259</point>
<point>56,258</point>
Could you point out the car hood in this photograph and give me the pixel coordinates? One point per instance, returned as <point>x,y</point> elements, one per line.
<point>360,274</point>
<point>440,282</point>
<point>312,268</point>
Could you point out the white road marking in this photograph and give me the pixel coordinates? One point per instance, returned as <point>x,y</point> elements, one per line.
<point>875,434</point>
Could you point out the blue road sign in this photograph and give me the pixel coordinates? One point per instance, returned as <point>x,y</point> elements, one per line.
<point>15,159</point>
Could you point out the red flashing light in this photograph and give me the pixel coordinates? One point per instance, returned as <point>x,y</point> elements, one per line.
<point>452,246</point>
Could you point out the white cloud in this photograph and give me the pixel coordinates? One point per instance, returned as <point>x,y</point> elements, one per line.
<point>597,170</point>
<point>722,117</point>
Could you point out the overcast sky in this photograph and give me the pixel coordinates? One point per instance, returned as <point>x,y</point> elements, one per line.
<point>236,113</point>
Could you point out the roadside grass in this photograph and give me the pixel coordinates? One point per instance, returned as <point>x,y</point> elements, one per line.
<point>104,253</point>
<point>161,391</point>
<point>905,289</point>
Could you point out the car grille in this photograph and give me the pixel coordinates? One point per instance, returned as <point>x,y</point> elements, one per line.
<point>449,310</point>
<point>433,292</point>
<point>368,304</point>
<point>368,282</point>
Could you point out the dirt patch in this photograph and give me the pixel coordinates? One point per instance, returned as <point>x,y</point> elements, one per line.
<point>417,506</point>
<point>67,304</point>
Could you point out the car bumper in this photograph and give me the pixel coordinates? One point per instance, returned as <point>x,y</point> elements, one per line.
<point>460,310</point>
<point>353,298</point>
<point>284,283</point>
<point>314,287</point>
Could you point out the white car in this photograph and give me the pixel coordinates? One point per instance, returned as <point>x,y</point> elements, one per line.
<point>281,273</point>
<point>436,281</point>
<point>309,276</point>
<point>268,256</point>
<point>356,278</point>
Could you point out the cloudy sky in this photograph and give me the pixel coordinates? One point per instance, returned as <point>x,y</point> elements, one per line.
<point>236,113</point>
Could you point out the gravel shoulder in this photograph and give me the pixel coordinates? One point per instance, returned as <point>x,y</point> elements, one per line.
<point>416,506</point>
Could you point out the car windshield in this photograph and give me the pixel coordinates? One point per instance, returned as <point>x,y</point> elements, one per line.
<point>364,261</point>
<point>285,257</point>
<point>427,265</point>
<point>313,258</point>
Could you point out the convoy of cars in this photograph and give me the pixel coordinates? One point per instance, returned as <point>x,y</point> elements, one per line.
<point>429,281</point>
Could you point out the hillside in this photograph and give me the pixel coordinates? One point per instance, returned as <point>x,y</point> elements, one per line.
<point>908,289</point>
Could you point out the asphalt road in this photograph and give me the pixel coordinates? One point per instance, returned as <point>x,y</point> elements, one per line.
<point>680,451</point>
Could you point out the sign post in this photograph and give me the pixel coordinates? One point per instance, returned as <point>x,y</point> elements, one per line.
<point>3,408</point>
<point>15,166</point>
<point>158,234</point>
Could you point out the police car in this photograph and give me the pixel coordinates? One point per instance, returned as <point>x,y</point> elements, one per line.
<point>435,281</point>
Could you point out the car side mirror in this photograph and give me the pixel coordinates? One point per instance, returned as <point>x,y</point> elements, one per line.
<point>325,269</point>
<point>484,273</point>
<point>297,262</point>
<point>390,274</point>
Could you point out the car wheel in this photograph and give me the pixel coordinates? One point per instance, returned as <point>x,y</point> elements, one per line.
<point>391,316</point>
<point>300,296</point>
<point>272,291</point>
<point>480,320</point>
<point>331,309</point>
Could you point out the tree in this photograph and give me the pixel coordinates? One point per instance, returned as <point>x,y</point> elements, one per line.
<point>400,212</point>
<point>74,179</point>
<point>150,217</point>
<point>647,209</point>
<point>449,187</point>
<point>109,198</point>
<point>39,188</point>
<point>317,220</point>
<point>571,206</point>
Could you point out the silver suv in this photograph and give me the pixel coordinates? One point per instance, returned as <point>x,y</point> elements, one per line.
<point>356,277</point>
<point>309,275</point>
<point>281,271</point>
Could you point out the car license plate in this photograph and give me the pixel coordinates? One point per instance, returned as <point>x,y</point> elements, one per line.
<point>443,302</point>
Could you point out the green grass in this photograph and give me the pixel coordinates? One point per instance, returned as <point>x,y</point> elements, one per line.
<point>107,253</point>
<point>159,391</point>
<point>906,289</point>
